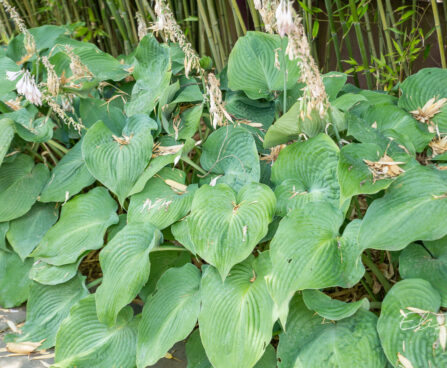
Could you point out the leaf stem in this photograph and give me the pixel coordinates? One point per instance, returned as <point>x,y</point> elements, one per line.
<point>375,270</point>
<point>58,146</point>
<point>193,164</point>
<point>94,283</point>
<point>169,248</point>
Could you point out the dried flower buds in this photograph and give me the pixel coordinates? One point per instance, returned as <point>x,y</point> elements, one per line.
<point>428,111</point>
<point>385,168</point>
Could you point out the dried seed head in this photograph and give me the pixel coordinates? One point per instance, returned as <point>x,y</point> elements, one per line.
<point>142,27</point>
<point>77,67</point>
<point>122,141</point>
<point>53,82</point>
<point>28,40</point>
<point>429,110</point>
<point>216,107</point>
<point>62,115</point>
<point>167,25</point>
<point>438,145</point>
<point>274,153</point>
<point>385,168</point>
<point>165,150</point>
<point>284,18</point>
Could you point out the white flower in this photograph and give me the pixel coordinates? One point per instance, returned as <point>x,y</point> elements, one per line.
<point>12,76</point>
<point>258,4</point>
<point>27,86</point>
<point>284,18</point>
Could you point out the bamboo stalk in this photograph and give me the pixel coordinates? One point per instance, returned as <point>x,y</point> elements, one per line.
<point>254,15</point>
<point>334,35</point>
<point>237,11</point>
<point>209,35</point>
<point>361,42</point>
<point>119,24</point>
<point>389,44</point>
<point>216,31</point>
<point>434,6</point>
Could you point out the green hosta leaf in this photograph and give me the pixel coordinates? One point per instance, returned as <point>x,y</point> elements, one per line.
<point>308,252</point>
<point>197,358</point>
<point>93,110</point>
<point>180,230</point>
<point>310,342</point>
<point>333,83</point>
<point>39,130</point>
<point>225,226</point>
<point>82,225</point>
<point>47,274</point>
<point>159,203</point>
<point>251,66</point>
<point>419,88</point>
<point>153,74</point>
<point>329,308</point>
<point>125,266</point>
<point>4,227</point>
<point>7,65</point>
<point>189,123</point>
<point>169,315</point>
<point>231,152</point>
<point>84,342</point>
<point>27,231</point>
<point>117,162</point>
<point>6,135</point>
<point>427,262</point>
<point>410,325</point>
<point>68,178</point>
<point>47,307</point>
<point>290,125</point>
<point>236,318</point>
<point>389,118</point>
<point>14,281</point>
<point>20,184</point>
<point>354,175</point>
<point>306,172</point>
<point>160,262</point>
<point>395,220</point>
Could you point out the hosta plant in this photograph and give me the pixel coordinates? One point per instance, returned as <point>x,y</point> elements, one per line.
<point>142,204</point>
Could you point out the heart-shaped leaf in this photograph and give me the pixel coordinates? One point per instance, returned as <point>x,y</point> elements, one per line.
<point>231,152</point>
<point>20,184</point>
<point>14,281</point>
<point>117,162</point>
<point>6,135</point>
<point>310,342</point>
<point>329,308</point>
<point>27,231</point>
<point>82,225</point>
<point>236,318</point>
<point>411,327</point>
<point>153,74</point>
<point>252,67</point>
<point>68,178</point>
<point>308,252</point>
<point>169,315</point>
<point>427,262</point>
<point>84,342</point>
<point>225,226</point>
<point>394,221</point>
<point>306,172</point>
<point>47,307</point>
<point>125,266</point>
<point>162,204</point>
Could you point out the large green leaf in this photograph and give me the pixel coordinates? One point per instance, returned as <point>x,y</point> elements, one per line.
<point>93,110</point>
<point>117,162</point>
<point>180,230</point>
<point>84,342</point>
<point>152,72</point>
<point>20,184</point>
<point>329,308</point>
<point>225,226</point>
<point>419,88</point>
<point>251,66</point>
<point>354,175</point>
<point>47,307</point>
<point>411,327</point>
<point>395,220</point>
<point>27,231</point>
<point>48,274</point>
<point>6,135</point>
<point>160,262</point>
<point>33,130</point>
<point>7,65</point>
<point>169,315</point>
<point>197,358</point>
<point>14,281</point>
<point>237,318</point>
<point>4,227</point>
<point>310,342</point>
<point>308,252</point>
<point>231,152</point>
<point>427,262</point>
<point>159,203</point>
<point>306,172</point>
<point>82,225</point>
<point>68,178</point>
<point>125,266</point>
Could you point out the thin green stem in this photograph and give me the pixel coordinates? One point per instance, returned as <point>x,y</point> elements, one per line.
<point>368,290</point>
<point>94,283</point>
<point>386,30</point>
<point>284,72</point>
<point>193,164</point>
<point>169,248</point>
<point>58,146</point>
<point>375,270</point>
<point>434,6</point>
